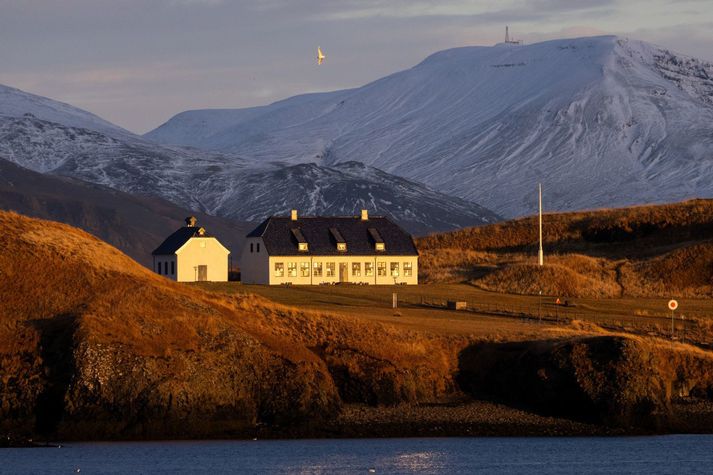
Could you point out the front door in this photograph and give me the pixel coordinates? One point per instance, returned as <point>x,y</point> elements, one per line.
<point>202,273</point>
<point>343,276</point>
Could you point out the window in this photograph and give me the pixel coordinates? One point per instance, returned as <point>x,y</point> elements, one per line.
<point>330,269</point>
<point>381,269</point>
<point>165,268</point>
<point>356,269</point>
<point>317,269</point>
<point>158,268</point>
<point>258,247</point>
<point>380,246</point>
<point>368,269</point>
<point>302,247</point>
<point>408,269</point>
<point>251,247</point>
<point>173,267</point>
<point>292,269</point>
<point>304,269</point>
<point>394,269</point>
<point>341,246</point>
<point>279,269</point>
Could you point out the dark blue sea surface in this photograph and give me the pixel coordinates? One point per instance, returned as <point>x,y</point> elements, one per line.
<point>675,454</point>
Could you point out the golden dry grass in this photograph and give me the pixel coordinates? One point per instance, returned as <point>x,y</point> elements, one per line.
<point>50,270</point>
<point>139,340</point>
<point>651,251</point>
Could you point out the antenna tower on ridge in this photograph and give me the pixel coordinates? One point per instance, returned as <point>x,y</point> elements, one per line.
<point>508,39</point>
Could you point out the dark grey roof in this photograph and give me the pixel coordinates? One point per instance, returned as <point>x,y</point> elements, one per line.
<point>297,234</point>
<point>375,236</point>
<point>280,240</point>
<point>176,240</point>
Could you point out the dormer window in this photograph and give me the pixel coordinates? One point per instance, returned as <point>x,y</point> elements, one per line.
<point>302,245</point>
<point>338,239</point>
<point>376,238</point>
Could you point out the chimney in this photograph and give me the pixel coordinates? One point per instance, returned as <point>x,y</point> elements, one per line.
<point>191,221</point>
<point>293,215</point>
<point>364,215</point>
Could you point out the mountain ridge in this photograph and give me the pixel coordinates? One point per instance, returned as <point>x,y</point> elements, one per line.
<point>211,182</point>
<point>602,121</point>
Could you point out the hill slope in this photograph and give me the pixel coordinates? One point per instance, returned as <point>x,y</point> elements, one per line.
<point>57,139</point>
<point>134,224</point>
<point>92,345</point>
<point>656,251</point>
<point>601,121</point>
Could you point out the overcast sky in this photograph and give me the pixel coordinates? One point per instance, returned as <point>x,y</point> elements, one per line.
<point>138,62</point>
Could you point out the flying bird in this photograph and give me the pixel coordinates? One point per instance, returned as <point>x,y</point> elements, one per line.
<point>320,56</point>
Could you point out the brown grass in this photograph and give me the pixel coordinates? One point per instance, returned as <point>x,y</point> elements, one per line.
<point>133,345</point>
<point>52,273</point>
<point>652,251</point>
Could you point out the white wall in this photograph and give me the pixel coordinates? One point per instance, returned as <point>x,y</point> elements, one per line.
<point>199,251</point>
<point>312,279</point>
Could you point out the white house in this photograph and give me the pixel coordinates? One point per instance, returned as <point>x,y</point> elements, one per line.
<point>191,255</point>
<point>317,250</point>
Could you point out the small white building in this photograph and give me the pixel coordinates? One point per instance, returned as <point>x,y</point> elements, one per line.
<point>191,255</point>
<point>316,250</point>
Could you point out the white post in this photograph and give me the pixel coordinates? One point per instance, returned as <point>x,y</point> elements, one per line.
<point>394,300</point>
<point>540,253</point>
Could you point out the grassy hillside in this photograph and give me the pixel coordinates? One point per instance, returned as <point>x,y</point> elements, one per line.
<point>94,346</point>
<point>662,251</point>
<point>134,224</point>
<point>93,343</point>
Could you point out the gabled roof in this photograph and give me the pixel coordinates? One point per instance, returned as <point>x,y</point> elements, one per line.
<point>319,232</point>
<point>177,239</point>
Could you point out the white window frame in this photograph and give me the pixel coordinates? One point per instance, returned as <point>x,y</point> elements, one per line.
<point>368,269</point>
<point>304,269</point>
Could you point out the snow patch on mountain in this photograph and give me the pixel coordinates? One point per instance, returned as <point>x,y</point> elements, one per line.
<point>220,184</point>
<point>15,103</point>
<point>601,121</point>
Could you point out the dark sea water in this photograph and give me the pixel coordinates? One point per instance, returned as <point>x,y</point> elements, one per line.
<point>648,455</point>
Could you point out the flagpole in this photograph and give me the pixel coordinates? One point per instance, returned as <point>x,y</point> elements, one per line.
<point>540,253</point>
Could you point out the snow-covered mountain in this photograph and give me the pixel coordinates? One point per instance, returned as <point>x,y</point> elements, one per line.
<point>134,224</point>
<point>346,188</point>
<point>54,138</point>
<point>17,103</point>
<point>601,121</point>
